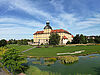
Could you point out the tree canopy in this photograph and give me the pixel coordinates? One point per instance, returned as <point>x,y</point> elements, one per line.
<point>54,39</point>
<point>3,42</point>
<point>22,42</point>
<point>97,39</point>
<point>79,39</point>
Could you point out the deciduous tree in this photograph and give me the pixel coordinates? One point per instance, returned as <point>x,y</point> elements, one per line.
<point>54,39</point>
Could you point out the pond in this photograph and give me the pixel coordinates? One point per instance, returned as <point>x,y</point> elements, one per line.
<point>86,65</point>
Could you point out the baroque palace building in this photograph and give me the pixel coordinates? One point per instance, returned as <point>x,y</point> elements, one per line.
<point>42,37</point>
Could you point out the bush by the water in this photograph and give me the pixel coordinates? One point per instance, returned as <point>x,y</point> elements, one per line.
<point>68,59</point>
<point>50,59</point>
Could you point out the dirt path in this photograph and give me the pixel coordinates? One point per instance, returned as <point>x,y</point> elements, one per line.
<point>76,52</point>
<point>2,72</point>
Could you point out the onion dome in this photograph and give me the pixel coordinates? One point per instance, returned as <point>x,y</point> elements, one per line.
<point>47,25</point>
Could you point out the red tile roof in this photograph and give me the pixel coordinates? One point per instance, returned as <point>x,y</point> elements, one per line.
<point>59,30</point>
<point>65,37</point>
<point>72,36</point>
<point>38,32</point>
<point>53,31</point>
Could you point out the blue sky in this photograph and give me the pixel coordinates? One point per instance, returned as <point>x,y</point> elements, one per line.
<point>19,19</point>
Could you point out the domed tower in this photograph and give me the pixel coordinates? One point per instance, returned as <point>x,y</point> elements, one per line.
<point>47,28</point>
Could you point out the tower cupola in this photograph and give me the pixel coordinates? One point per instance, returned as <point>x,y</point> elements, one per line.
<point>47,25</point>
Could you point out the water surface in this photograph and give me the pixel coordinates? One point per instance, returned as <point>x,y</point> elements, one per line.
<point>86,65</point>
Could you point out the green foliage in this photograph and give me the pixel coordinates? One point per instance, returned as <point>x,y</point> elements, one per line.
<point>12,41</point>
<point>97,39</point>
<point>68,59</point>
<point>46,45</point>
<point>3,42</point>
<point>54,39</point>
<point>76,39</point>
<point>31,40</point>
<point>68,42</point>
<point>50,59</point>
<point>22,42</point>
<point>91,40</point>
<point>41,43</point>
<point>1,65</point>
<point>2,50</point>
<point>13,60</point>
<point>79,39</point>
<point>83,39</point>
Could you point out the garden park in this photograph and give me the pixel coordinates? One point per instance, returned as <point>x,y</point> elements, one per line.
<point>71,59</point>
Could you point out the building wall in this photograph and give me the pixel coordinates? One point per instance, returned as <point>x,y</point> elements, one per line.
<point>44,38</point>
<point>47,30</point>
<point>65,41</point>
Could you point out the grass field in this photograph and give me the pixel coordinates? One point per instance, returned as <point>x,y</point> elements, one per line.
<point>52,51</point>
<point>19,47</point>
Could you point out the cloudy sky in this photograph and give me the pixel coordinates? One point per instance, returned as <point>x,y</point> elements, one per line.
<point>19,19</point>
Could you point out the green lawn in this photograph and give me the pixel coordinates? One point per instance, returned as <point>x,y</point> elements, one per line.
<point>19,47</point>
<point>52,51</point>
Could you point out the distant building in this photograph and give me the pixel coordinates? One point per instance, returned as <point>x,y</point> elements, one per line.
<point>91,37</point>
<point>42,37</point>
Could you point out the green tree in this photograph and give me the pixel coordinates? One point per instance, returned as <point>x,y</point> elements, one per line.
<point>12,41</point>
<point>25,42</point>
<point>32,40</point>
<point>54,39</point>
<point>97,39</point>
<point>68,42</point>
<point>76,39</point>
<point>22,42</point>
<point>82,39</point>
<point>9,42</point>
<point>79,39</point>
<point>13,60</point>
<point>3,42</point>
<point>91,40</point>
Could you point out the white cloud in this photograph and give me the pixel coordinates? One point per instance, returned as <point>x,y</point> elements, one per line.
<point>29,7</point>
<point>62,20</point>
<point>58,5</point>
<point>16,33</point>
<point>19,22</point>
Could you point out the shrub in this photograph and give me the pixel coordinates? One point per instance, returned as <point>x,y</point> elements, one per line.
<point>38,47</point>
<point>41,43</point>
<point>68,42</point>
<point>50,59</point>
